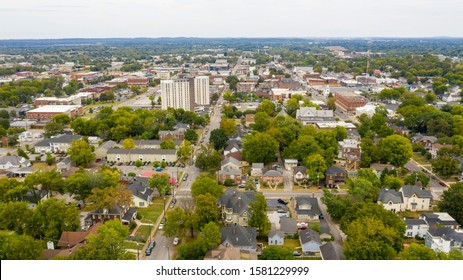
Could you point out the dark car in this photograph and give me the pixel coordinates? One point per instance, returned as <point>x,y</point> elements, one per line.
<point>182,165</point>
<point>442,184</point>
<point>282,201</point>
<point>148,251</point>
<point>321,217</point>
<point>152,244</point>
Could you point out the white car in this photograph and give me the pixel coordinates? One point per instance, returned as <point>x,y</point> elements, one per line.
<point>175,241</point>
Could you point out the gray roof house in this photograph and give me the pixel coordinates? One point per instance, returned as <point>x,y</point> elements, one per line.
<point>59,144</point>
<point>440,219</point>
<point>64,165</point>
<point>276,237</point>
<point>416,198</point>
<point>444,239</point>
<point>7,162</point>
<point>299,174</point>
<point>142,196</point>
<point>415,227</point>
<point>331,251</point>
<point>102,150</point>
<point>310,115</point>
<point>391,199</point>
<point>310,242</point>
<point>257,169</point>
<point>288,225</point>
<point>306,208</point>
<point>239,237</point>
<point>234,206</point>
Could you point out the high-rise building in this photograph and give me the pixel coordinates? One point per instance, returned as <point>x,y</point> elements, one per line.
<point>177,94</point>
<point>201,85</point>
<point>185,93</point>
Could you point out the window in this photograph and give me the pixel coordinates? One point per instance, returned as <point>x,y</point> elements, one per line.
<point>141,204</point>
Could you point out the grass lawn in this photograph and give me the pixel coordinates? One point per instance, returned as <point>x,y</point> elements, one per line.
<point>420,159</point>
<point>42,166</point>
<point>133,245</point>
<point>151,213</point>
<point>144,231</point>
<point>292,244</point>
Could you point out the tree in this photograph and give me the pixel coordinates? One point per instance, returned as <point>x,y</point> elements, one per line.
<point>81,153</point>
<point>191,135</point>
<point>301,148</point>
<point>15,216</point>
<point>232,81</point>
<point>316,167</point>
<point>22,153</point>
<point>259,147</point>
<point>370,153</point>
<point>192,251</point>
<point>211,235</point>
<point>445,165</point>
<point>62,119</point>
<point>259,218</point>
<point>19,247</point>
<point>53,128</point>
<point>175,225</point>
<point>110,197</point>
<point>208,158</point>
<point>229,126</point>
<point>337,205</point>
<point>167,144</point>
<point>184,151</point>
<point>416,251</point>
<point>452,202</point>
<point>206,185</point>
<point>11,189</point>
<point>107,244</point>
<point>393,182</point>
<point>417,176</point>
<point>267,106</point>
<point>331,103</point>
<point>362,190</point>
<point>396,150</point>
<point>161,183</point>
<point>369,239</point>
<point>261,121</point>
<point>51,217</point>
<point>50,159</point>
<point>128,143</point>
<point>218,138</point>
<point>44,182</point>
<point>273,252</point>
<point>206,209</point>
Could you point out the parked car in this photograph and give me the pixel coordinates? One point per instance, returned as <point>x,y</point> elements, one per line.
<point>321,216</point>
<point>281,211</point>
<point>182,165</point>
<point>152,244</point>
<point>241,186</point>
<point>175,242</point>
<point>148,252</point>
<point>158,169</point>
<point>442,184</point>
<point>185,177</point>
<point>282,201</point>
<point>296,254</point>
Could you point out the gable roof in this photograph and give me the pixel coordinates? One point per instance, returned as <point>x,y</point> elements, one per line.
<point>408,191</point>
<point>447,233</point>
<point>239,236</point>
<point>415,222</point>
<point>271,173</point>
<point>386,195</point>
<point>72,238</point>
<point>274,233</point>
<point>232,161</point>
<point>298,169</point>
<point>308,235</point>
<point>231,146</point>
<point>139,190</point>
<point>14,160</point>
<point>335,170</point>
<point>107,145</point>
<point>311,203</point>
<point>238,201</point>
<point>257,165</point>
<point>313,112</point>
<point>331,251</point>
<point>288,225</point>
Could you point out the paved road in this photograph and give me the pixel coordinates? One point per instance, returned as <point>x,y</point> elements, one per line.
<point>434,184</point>
<point>140,100</point>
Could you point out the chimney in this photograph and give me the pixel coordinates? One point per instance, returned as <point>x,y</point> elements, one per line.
<point>239,202</point>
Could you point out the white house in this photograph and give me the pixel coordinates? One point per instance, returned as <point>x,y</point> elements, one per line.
<point>7,162</point>
<point>392,200</point>
<point>416,199</point>
<point>310,242</point>
<point>290,164</point>
<point>444,239</point>
<point>416,227</point>
<point>276,237</point>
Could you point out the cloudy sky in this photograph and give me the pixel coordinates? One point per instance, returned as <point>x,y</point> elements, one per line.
<point>23,19</point>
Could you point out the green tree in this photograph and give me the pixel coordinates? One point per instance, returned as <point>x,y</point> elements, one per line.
<point>418,252</point>
<point>206,209</point>
<point>208,158</point>
<point>161,183</point>
<point>19,247</point>
<point>206,185</point>
<point>11,189</point>
<point>44,182</point>
<point>62,119</point>
<point>337,205</point>
<point>268,107</point>
<point>53,128</point>
<point>393,182</point>
<point>128,143</point>
<point>417,176</point>
<point>81,153</point>
<point>396,150</point>
<point>316,167</point>
<point>211,235</point>
<point>331,103</point>
<point>50,160</point>
<point>262,121</point>
<point>445,165</point>
<point>229,126</point>
<point>107,244</point>
<point>273,252</point>
<point>452,202</point>
<point>301,148</point>
<point>175,225</point>
<point>110,197</point>
<point>22,153</point>
<point>232,81</point>
<point>191,135</point>
<point>15,216</point>
<point>369,239</point>
<point>259,147</point>
<point>362,190</point>
<point>192,251</point>
<point>184,151</point>
<point>167,144</point>
<point>259,218</point>
<point>218,138</point>
<point>51,217</point>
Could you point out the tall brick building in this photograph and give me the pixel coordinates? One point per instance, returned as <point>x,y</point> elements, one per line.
<point>348,101</point>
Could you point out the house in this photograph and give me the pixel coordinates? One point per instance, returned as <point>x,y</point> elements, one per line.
<point>416,199</point>
<point>425,140</point>
<point>349,147</point>
<point>122,213</point>
<point>440,219</point>
<point>256,169</point>
<point>444,239</point>
<point>59,144</point>
<point>276,237</point>
<point>416,227</point>
<point>150,144</point>
<point>151,155</point>
<point>310,242</point>
<point>306,208</point>
<point>229,253</point>
<point>70,239</point>
<point>290,164</point>
<point>142,196</point>
<point>64,165</point>
<point>232,148</point>
<point>239,237</point>
<point>272,177</point>
<point>7,162</point>
<point>331,251</point>
<point>230,170</point>
<point>234,206</point>
<point>435,148</point>
<point>299,174</point>
<point>310,115</point>
<point>325,232</point>
<point>391,200</point>
<point>102,151</point>
<point>288,226</point>
<point>335,175</point>
<point>378,168</point>
<point>178,134</point>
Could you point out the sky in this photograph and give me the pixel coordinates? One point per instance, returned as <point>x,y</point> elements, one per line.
<point>43,19</point>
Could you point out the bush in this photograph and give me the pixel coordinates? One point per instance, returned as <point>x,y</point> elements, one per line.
<point>132,174</point>
<point>132,225</point>
<point>138,163</point>
<point>229,182</point>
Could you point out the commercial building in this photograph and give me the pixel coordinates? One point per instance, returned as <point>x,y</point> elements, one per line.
<point>348,101</point>
<point>49,111</point>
